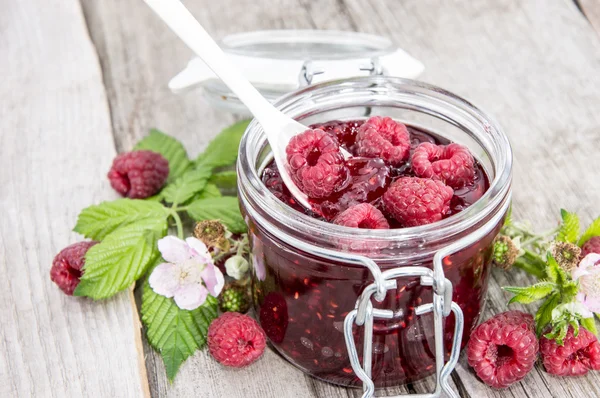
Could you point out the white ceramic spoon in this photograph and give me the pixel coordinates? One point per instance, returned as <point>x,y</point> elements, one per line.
<point>278,127</point>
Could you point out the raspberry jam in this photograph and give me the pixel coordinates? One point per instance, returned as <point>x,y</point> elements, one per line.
<point>302,301</point>
<point>305,277</point>
<point>369,178</point>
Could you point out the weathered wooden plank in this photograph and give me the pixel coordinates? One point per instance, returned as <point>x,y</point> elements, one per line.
<point>55,148</point>
<point>591,9</point>
<point>530,63</point>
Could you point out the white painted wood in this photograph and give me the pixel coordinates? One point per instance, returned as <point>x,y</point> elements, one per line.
<point>531,63</point>
<point>55,149</point>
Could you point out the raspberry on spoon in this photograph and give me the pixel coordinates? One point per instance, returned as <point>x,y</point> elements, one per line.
<point>503,349</point>
<point>451,163</point>
<point>316,163</point>
<point>385,138</point>
<point>417,201</point>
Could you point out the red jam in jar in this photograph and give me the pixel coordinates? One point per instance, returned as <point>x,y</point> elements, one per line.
<point>301,297</point>
<point>370,177</point>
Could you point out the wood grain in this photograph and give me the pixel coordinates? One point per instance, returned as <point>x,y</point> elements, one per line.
<point>55,148</point>
<point>532,63</point>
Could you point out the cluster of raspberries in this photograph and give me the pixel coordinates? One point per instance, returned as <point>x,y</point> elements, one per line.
<point>504,349</point>
<point>318,168</point>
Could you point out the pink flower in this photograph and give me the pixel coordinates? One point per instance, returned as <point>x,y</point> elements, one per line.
<point>189,275</point>
<point>588,275</point>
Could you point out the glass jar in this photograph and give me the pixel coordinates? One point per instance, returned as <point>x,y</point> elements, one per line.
<point>309,275</point>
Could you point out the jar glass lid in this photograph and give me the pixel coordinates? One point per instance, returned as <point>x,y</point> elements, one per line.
<point>307,44</point>
<point>281,61</point>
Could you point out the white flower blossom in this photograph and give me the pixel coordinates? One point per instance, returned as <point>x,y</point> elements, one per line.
<point>189,275</point>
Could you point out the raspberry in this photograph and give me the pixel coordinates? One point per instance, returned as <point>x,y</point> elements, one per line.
<point>417,201</point>
<point>591,246</point>
<point>234,299</point>
<point>574,358</point>
<point>383,137</point>
<point>363,215</point>
<point>316,163</point>
<point>138,174</point>
<point>451,163</point>
<point>236,340</point>
<point>67,266</point>
<point>503,349</point>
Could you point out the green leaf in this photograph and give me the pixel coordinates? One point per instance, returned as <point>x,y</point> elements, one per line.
<point>555,272</point>
<point>175,333</point>
<point>589,324</point>
<point>223,149</point>
<point>185,187</point>
<point>544,314</point>
<point>593,230</point>
<point>170,148</point>
<point>96,222</point>
<point>559,332</point>
<point>569,290</point>
<point>209,191</point>
<point>120,259</point>
<point>529,294</point>
<point>226,209</point>
<point>569,230</point>
<point>226,181</point>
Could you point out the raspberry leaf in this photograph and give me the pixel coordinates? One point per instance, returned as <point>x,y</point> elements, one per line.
<point>120,259</point>
<point>593,230</point>
<point>96,222</point>
<point>185,187</point>
<point>569,290</point>
<point>544,314</point>
<point>174,332</point>
<point>226,181</point>
<point>529,294</point>
<point>170,148</point>
<point>209,191</point>
<point>555,272</point>
<point>569,229</point>
<point>223,149</point>
<point>226,209</point>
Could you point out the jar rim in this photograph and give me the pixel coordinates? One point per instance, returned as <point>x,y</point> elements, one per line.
<point>252,189</point>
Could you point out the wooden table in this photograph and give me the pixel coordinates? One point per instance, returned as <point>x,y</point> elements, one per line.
<point>83,80</point>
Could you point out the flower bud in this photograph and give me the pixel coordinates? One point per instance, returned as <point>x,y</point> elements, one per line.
<point>236,267</point>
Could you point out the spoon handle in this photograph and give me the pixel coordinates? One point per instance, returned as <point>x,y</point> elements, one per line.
<point>183,23</point>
